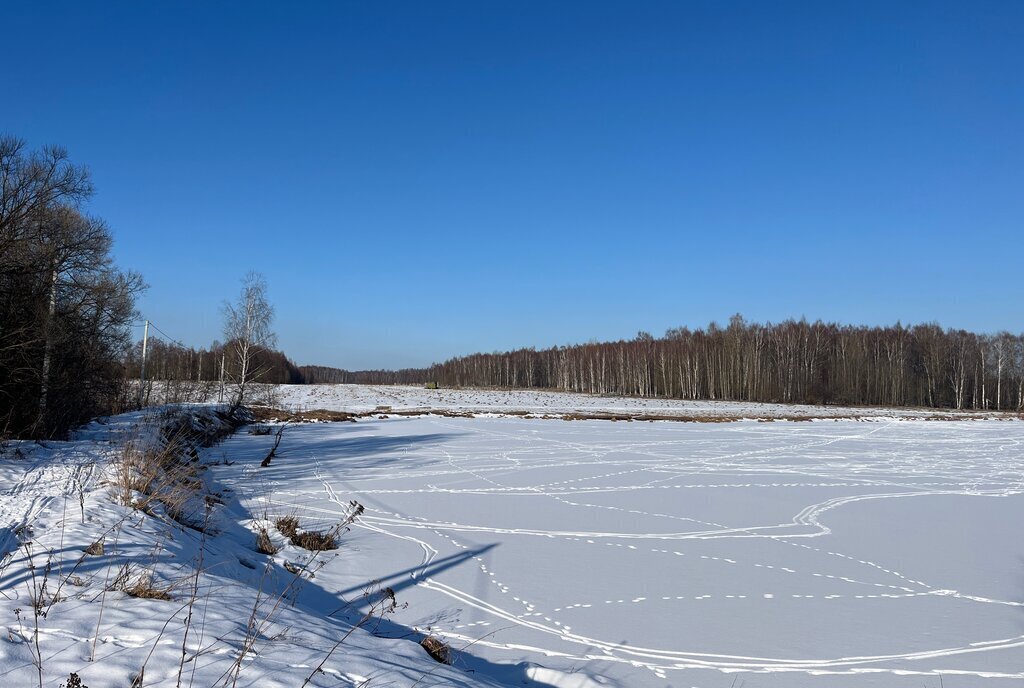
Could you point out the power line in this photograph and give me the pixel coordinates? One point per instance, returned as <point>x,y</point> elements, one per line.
<point>169,337</point>
<point>173,340</point>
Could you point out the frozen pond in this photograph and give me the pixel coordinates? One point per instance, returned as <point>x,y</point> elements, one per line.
<point>879,552</point>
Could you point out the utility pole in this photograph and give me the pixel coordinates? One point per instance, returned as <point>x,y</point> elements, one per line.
<point>142,369</point>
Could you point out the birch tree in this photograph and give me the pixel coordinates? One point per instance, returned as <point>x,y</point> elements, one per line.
<point>247,330</point>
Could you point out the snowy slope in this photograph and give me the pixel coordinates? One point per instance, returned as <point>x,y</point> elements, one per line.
<point>89,626</point>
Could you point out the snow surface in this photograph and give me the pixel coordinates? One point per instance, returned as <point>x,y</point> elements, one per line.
<point>361,398</point>
<point>877,551</point>
<point>56,501</point>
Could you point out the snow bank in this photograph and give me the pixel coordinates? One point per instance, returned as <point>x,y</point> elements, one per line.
<point>207,610</point>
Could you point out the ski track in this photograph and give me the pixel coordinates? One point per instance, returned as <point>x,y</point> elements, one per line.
<point>499,456</point>
<point>35,482</point>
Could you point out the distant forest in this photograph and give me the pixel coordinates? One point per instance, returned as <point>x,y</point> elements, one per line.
<point>789,362</point>
<point>170,361</point>
<point>68,351</point>
<point>318,375</point>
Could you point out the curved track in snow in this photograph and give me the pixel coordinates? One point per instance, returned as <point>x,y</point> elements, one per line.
<point>777,525</point>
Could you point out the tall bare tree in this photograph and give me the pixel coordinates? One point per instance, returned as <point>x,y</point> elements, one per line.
<point>247,331</point>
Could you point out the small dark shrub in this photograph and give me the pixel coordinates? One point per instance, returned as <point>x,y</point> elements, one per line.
<point>74,682</point>
<point>143,588</point>
<point>288,526</point>
<point>264,545</point>
<point>314,541</point>
<point>437,649</point>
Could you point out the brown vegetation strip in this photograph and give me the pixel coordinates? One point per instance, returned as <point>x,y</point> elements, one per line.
<point>272,415</point>
<point>266,414</point>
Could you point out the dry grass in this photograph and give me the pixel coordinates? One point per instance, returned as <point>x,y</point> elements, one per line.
<point>316,541</point>
<point>153,479</point>
<point>272,415</point>
<point>323,415</point>
<point>167,471</point>
<point>144,588</point>
<point>312,540</point>
<point>287,526</point>
<point>264,545</point>
<point>437,649</point>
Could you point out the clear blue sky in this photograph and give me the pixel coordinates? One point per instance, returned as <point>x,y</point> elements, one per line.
<point>423,179</point>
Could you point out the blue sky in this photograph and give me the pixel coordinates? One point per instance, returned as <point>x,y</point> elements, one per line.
<point>419,180</point>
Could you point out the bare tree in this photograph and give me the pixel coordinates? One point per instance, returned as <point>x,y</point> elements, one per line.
<point>65,309</point>
<point>247,329</point>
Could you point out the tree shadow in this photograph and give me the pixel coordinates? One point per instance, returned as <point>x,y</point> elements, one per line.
<point>401,580</point>
<point>229,554</point>
<point>73,561</point>
<point>333,605</point>
<point>8,540</point>
<point>304,443</point>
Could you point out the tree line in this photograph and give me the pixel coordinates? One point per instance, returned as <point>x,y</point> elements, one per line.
<point>316,375</point>
<point>65,308</point>
<point>67,351</point>
<point>790,362</point>
<point>186,373</point>
<point>228,371</point>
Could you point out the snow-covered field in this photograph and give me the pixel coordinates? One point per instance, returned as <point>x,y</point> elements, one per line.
<point>883,551</point>
<point>878,551</point>
<point>361,398</point>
